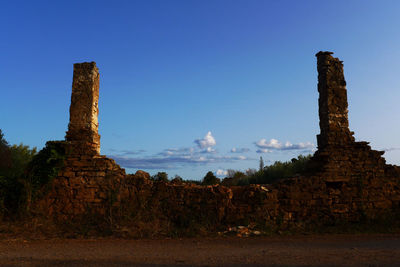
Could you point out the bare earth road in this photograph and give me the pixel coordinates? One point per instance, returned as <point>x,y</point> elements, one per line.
<point>329,250</point>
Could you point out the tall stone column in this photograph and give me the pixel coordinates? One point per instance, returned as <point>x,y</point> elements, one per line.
<point>333,120</point>
<point>83,122</point>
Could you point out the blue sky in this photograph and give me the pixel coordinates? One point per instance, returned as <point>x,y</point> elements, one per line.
<point>185,82</point>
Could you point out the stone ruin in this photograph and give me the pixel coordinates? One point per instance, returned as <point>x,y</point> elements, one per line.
<point>84,110</point>
<point>339,158</point>
<point>86,178</point>
<point>347,179</point>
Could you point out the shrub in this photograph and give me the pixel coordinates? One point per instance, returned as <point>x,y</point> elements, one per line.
<point>210,179</point>
<point>269,174</point>
<point>177,180</point>
<point>13,169</point>
<point>280,170</point>
<point>42,169</point>
<point>160,176</point>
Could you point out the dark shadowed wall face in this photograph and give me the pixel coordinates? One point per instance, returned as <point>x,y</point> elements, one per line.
<point>333,119</point>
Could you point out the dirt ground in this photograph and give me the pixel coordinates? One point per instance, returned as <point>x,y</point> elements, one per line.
<point>321,250</point>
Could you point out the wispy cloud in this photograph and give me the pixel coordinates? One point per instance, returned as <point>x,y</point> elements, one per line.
<point>177,151</point>
<point>169,162</point>
<point>127,152</point>
<point>267,146</point>
<point>263,150</point>
<point>240,150</point>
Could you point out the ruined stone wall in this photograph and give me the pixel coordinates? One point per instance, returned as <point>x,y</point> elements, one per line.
<point>339,157</point>
<point>333,119</point>
<point>347,179</point>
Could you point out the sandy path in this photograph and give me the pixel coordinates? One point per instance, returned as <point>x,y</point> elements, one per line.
<point>338,250</point>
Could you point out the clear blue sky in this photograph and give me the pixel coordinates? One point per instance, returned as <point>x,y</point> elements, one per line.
<point>173,71</point>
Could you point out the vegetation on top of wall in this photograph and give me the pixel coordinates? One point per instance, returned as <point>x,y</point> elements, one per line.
<point>269,174</point>
<point>160,176</point>
<point>210,179</point>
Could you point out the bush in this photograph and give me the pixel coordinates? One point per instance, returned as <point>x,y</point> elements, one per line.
<point>210,179</point>
<point>26,174</point>
<point>235,178</point>
<point>42,169</point>
<point>269,174</point>
<point>280,170</point>
<point>196,182</point>
<point>160,176</point>
<point>13,169</point>
<point>177,180</point>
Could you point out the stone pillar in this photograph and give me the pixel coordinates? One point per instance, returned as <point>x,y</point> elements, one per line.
<point>332,100</point>
<point>83,122</point>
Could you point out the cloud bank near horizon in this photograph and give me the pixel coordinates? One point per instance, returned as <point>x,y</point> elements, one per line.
<point>203,153</point>
<point>265,146</point>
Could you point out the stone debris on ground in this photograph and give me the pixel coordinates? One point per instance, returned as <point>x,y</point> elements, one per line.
<point>241,231</point>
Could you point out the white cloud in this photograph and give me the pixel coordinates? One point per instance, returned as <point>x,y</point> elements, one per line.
<point>239,150</point>
<point>169,158</point>
<point>174,158</point>
<point>274,144</point>
<point>263,150</point>
<point>209,150</point>
<point>220,172</point>
<point>207,141</point>
<point>177,151</point>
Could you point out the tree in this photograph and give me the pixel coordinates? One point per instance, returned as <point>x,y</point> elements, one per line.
<point>177,179</point>
<point>3,142</point>
<point>261,164</point>
<point>42,169</point>
<point>5,154</point>
<point>210,179</point>
<point>250,172</point>
<point>14,161</point>
<point>161,176</point>
<point>280,170</point>
<point>21,156</point>
<point>230,173</point>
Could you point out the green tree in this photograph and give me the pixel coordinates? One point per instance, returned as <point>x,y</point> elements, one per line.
<point>5,154</point>
<point>210,179</point>
<point>177,179</point>
<point>13,171</point>
<point>161,176</point>
<point>41,170</point>
<point>280,170</point>
<point>21,155</point>
<point>3,142</point>
<point>261,164</point>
